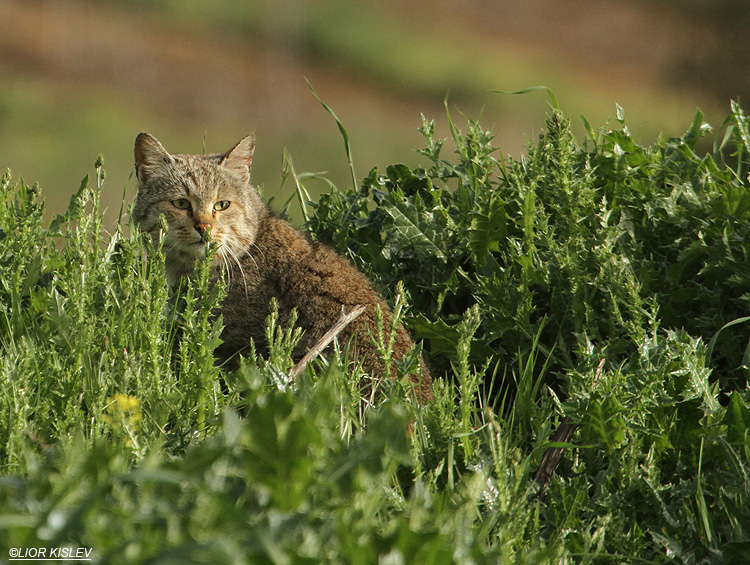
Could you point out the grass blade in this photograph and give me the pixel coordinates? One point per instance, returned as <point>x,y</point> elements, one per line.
<point>344,134</point>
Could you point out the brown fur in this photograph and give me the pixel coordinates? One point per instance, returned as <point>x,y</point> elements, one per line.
<point>209,197</point>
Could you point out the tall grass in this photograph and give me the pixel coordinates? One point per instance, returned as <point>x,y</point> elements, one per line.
<point>581,281</point>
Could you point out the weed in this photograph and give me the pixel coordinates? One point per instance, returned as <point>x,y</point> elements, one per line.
<point>603,285</point>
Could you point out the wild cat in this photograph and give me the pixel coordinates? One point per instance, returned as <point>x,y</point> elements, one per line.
<point>210,198</point>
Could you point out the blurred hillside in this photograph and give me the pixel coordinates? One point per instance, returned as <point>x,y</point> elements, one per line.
<point>83,77</point>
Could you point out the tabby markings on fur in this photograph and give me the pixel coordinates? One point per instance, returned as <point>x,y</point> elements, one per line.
<point>210,198</point>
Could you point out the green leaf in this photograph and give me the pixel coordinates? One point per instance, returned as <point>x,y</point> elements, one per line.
<point>488,227</point>
<point>406,222</point>
<point>444,340</point>
<point>546,89</point>
<point>442,337</point>
<point>737,419</point>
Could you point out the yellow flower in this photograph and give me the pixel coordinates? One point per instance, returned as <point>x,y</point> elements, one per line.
<point>123,415</point>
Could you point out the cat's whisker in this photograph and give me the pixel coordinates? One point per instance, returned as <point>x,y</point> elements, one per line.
<point>257,268</point>
<point>258,249</point>
<point>245,250</point>
<point>226,270</point>
<point>244,243</point>
<point>168,250</point>
<point>237,249</point>
<point>236,259</point>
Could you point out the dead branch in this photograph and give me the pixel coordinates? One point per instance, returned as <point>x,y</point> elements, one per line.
<point>327,338</point>
<point>552,455</point>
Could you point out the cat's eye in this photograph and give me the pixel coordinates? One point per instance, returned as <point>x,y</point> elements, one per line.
<point>222,205</point>
<point>181,203</point>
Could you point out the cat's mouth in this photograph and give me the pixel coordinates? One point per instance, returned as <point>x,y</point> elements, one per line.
<point>187,248</point>
<point>199,246</point>
<point>196,248</point>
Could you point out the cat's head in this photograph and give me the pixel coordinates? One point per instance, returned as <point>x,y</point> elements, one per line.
<point>202,198</point>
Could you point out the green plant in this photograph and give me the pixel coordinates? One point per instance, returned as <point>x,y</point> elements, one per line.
<point>605,283</point>
<point>85,316</point>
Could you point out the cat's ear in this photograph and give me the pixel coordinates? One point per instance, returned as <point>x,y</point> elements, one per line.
<point>150,156</point>
<point>240,157</point>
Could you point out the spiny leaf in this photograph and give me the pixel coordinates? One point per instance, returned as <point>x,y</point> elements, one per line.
<point>406,222</point>
<point>488,227</point>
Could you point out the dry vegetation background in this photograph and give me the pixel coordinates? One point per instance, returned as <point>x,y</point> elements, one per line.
<point>83,77</point>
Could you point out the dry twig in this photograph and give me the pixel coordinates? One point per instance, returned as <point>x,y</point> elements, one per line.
<point>327,338</point>
<point>552,456</point>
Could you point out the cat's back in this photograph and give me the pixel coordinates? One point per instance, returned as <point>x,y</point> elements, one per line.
<point>313,279</point>
<point>305,270</point>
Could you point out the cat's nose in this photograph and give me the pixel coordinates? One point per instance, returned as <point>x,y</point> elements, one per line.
<point>203,228</point>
